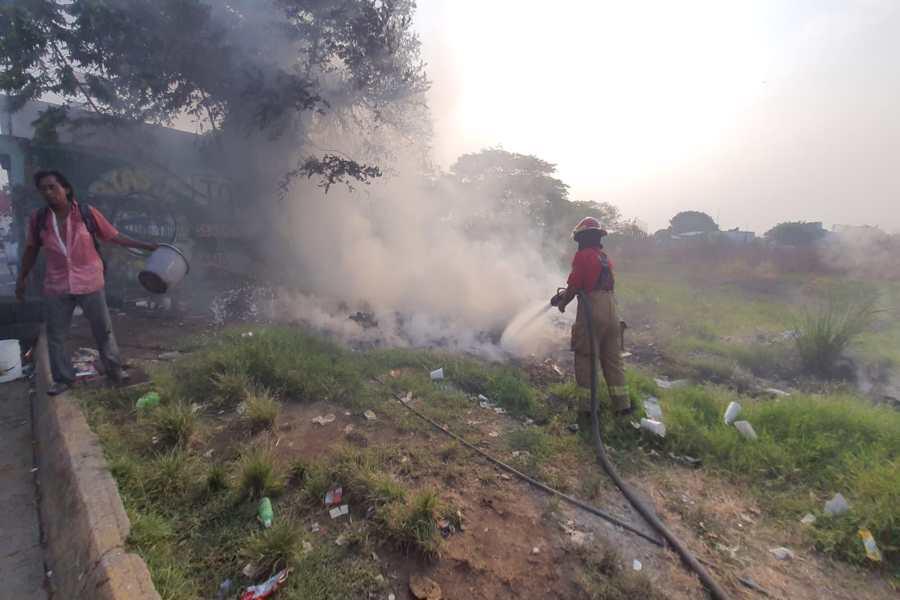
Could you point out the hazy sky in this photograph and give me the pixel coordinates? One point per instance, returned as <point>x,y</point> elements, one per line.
<point>755,111</point>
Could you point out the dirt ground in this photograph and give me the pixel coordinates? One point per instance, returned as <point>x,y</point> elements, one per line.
<point>517,542</point>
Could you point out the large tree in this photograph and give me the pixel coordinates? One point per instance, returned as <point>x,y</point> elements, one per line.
<point>690,221</point>
<point>262,70</point>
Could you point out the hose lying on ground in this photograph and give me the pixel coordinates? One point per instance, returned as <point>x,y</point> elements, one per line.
<point>540,485</point>
<point>689,559</point>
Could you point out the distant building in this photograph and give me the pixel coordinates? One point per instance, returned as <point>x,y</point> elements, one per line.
<point>737,236</point>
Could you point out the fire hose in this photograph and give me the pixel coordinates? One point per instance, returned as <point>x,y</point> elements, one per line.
<point>689,559</point>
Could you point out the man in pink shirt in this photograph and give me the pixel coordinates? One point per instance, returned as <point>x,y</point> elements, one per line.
<point>74,273</point>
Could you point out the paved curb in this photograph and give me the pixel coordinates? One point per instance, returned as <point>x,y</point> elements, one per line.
<point>84,523</point>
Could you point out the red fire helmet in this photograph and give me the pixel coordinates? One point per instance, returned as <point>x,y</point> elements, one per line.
<point>585,224</point>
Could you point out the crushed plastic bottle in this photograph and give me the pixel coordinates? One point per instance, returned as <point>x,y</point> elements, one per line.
<point>266,588</point>
<point>265,514</point>
<point>872,551</point>
<point>148,400</point>
<point>653,409</point>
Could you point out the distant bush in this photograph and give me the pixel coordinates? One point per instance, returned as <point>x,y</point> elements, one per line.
<point>825,333</point>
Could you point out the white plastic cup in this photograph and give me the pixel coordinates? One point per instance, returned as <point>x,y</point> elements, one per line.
<point>654,427</point>
<point>731,413</point>
<point>746,429</point>
<point>10,360</point>
<point>437,374</point>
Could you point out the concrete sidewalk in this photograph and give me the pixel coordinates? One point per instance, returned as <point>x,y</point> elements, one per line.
<point>21,555</point>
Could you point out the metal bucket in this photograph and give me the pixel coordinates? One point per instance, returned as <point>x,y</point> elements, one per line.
<point>10,360</point>
<point>164,268</point>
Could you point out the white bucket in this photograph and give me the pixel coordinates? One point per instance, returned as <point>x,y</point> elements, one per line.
<point>10,360</point>
<point>164,268</point>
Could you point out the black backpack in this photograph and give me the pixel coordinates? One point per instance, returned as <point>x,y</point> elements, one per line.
<point>89,222</point>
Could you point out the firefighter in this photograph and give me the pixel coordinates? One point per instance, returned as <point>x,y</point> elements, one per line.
<point>592,273</point>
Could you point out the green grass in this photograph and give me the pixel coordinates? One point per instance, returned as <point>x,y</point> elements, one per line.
<point>257,473</point>
<point>809,448</point>
<point>603,575</point>
<point>261,409</point>
<point>276,548</point>
<point>173,423</point>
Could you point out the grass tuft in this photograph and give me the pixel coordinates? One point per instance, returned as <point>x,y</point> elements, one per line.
<point>826,332</point>
<point>257,473</point>
<point>262,409</point>
<point>275,548</point>
<point>173,423</point>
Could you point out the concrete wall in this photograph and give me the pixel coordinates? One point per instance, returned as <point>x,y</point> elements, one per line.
<point>84,523</point>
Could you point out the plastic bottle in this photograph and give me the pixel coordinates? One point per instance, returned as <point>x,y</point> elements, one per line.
<point>265,514</point>
<point>148,400</point>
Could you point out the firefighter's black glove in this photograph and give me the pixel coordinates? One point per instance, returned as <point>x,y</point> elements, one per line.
<point>554,300</point>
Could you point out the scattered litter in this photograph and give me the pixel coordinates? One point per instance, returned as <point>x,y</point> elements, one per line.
<point>732,412</point>
<point>266,588</point>
<point>686,460</point>
<point>636,565</point>
<point>654,427</point>
<point>446,527</point>
<point>573,427</point>
<point>748,582</point>
<point>472,423</point>
<point>339,511</point>
<point>424,588</point>
<point>340,540</point>
<point>486,405</point>
<point>333,496</point>
<point>348,428</point>
<point>324,420</point>
<point>224,590</point>
<point>777,392</point>
<point>493,434</point>
<point>247,334</point>
<point>483,398</point>
<point>808,519</point>
<point>635,424</point>
<point>668,384</point>
<point>782,553</point>
<point>241,408</point>
<point>625,354</point>
<point>34,469</point>
<point>746,429</point>
<point>836,506</point>
<point>437,374</point>
<point>369,415</point>
<point>499,410</point>
<point>148,400</point>
<point>174,355</point>
<point>522,453</point>
<point>535,550</point>
<point>264,514</point>
<point>392,597</point>
<point>529,421</point>
<point>249,570</point>
<point>408,398</point>
<point>578,538</point>
<point>653,409</point>
<point>315,528</point>
<point>307,547</point>
<point>506,476</point>
<point>872,551</point>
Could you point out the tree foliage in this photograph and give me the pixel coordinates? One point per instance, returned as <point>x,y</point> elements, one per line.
<point>692,220</point>
<point>516,183</point>
<point>796,233</point>
<point>265,68</point>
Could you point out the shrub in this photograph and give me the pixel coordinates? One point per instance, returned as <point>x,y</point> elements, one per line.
<point>824,333</point>
<point>173,423</point>
<point>257,473</point>
<point>275,548</point>
<point>262,409</point>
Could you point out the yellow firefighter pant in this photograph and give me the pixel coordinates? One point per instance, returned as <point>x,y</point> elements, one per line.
<point>602,305</point>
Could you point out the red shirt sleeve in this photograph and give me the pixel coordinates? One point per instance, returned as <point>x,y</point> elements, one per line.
<point>105,230</point>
